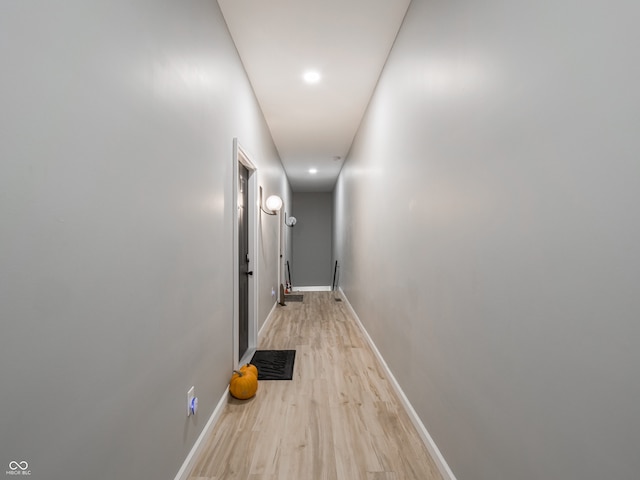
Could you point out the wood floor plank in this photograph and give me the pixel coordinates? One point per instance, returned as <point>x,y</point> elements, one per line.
<point>338,418</point>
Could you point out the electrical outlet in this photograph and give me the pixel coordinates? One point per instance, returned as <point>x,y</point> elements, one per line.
<point>273,292</point>
<point>191,394</point>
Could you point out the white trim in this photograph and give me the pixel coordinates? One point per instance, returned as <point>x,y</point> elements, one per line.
<point>280,254</point>
<point>323,288</point>
<point>268,319</point>
<point>246,358</point>
<point>190,461</point>
<point>433,449</point>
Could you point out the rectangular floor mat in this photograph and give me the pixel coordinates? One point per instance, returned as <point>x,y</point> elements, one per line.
<point>274,364</point>
<point>293,297</point>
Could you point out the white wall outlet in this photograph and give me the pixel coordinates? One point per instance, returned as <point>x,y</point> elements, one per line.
<point>273,292</point>
<point>191,394</point>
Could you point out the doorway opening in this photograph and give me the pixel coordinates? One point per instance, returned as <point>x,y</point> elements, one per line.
<point>245,256</point>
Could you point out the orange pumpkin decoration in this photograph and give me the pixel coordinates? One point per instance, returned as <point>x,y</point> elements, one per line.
<point>249,368</point>
<point>243,385</point>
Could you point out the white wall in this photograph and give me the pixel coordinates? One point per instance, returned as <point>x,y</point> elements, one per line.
<point>116,126</point>
<point>312,263</point>
<point>488,231</point>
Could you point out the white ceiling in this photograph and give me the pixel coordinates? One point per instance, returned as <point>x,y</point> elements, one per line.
<point>346,41</point>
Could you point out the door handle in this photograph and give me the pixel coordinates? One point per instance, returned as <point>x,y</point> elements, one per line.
<point>250,272</point>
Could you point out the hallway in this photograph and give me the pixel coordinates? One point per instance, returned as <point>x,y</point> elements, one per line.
<point>483,211</point>
<point>337,419</point>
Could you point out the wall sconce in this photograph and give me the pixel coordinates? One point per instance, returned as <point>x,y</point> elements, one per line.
<point>273,204</point>
<point>291,221</point>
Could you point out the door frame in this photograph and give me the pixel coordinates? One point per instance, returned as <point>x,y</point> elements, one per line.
<point>240,156</point>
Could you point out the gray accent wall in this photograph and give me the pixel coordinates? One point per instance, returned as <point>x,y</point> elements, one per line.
<point>116,209</point>
<point>312,239</point>
<point>488,229</point>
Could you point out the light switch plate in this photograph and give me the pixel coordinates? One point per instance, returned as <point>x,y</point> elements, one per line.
<point>190,396</point>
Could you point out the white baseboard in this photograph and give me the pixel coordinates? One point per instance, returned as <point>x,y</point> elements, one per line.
<point>268,319</point>
<point>433,449</point>
<point>322,288</point>
<point>190,461</point>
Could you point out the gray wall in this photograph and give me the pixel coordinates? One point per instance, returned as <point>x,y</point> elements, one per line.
<point>116,230</point>
<point>312,239</point>
<point>493,188</point>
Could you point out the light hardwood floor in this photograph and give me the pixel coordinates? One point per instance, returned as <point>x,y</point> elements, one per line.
<point>337,419</point>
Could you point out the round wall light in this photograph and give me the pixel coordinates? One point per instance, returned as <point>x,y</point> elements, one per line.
<point>274,203</point>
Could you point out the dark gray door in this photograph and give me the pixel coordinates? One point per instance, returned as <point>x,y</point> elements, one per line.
<point>243,248</point>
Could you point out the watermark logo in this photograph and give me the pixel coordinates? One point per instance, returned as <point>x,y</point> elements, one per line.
<point>18,468</point>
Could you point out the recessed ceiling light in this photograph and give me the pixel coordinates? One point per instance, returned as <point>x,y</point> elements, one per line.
<point>313,171</point>
<point>311,76</point>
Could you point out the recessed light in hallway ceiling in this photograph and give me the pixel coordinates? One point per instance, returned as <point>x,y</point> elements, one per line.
<point>348,42</point>
<point>311,76</point>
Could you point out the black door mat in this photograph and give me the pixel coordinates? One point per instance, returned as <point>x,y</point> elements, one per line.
<point>294,297</point>
<point>274,364</point>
